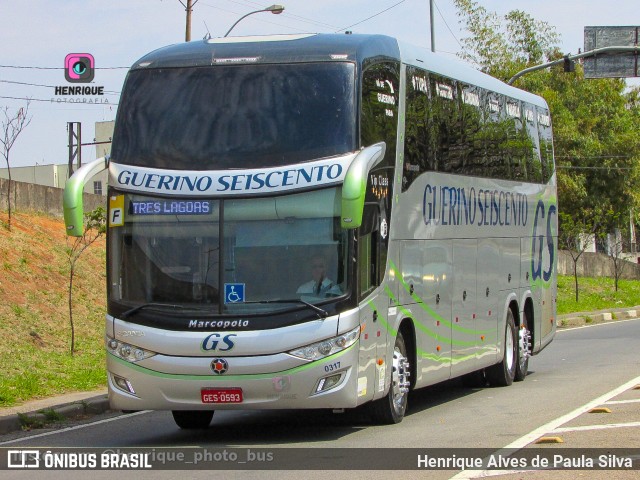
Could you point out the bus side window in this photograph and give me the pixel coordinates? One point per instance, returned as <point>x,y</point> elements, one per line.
<point>369,251</point>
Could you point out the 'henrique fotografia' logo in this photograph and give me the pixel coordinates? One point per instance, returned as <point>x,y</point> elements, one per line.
<point>79,67</point>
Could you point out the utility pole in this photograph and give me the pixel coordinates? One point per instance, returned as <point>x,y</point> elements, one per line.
<point>433,31</point>
<point>189,8</point>
<point>75,143</point>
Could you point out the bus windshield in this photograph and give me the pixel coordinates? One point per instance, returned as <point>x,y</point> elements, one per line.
<point>235,116</point>
<point>266,254</point>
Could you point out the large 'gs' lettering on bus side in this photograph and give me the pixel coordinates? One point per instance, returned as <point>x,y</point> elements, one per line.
<point>538,241</point>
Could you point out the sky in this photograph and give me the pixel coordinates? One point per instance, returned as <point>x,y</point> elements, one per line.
<point>39,34</point>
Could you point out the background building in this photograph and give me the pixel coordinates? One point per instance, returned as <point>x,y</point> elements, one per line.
<point>56,175</point>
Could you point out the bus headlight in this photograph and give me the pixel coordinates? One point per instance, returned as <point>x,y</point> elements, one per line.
<point>322,349</point>
<point>127,352</point>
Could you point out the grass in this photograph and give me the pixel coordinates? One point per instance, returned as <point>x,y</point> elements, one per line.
<point>35,334</point>
<point>47,416</point>
<point>596,294</point>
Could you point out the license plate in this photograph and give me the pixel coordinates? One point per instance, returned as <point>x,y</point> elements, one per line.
<point>221,395</point>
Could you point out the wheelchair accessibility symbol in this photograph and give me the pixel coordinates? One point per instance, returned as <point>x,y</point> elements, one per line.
<point>234,292</point>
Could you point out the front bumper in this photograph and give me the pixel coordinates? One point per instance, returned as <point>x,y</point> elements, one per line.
<point>290,388</point>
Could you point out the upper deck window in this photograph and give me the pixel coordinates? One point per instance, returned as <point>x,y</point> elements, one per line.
<point>235,116</point>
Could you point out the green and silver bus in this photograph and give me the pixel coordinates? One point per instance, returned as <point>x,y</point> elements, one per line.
<point>321,221</point>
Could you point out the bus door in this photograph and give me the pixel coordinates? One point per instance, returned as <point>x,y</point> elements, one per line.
<point>373,303</point>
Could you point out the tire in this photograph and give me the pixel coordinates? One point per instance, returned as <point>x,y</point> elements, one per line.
<point>502,374</point>
<point>524,345</point>
<point>392,407</point>
<point>192,419</point>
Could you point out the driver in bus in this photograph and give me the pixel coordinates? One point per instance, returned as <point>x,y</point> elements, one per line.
<point>320,285</point>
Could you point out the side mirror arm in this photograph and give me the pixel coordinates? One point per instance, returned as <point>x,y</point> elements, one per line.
<point>72,202</point>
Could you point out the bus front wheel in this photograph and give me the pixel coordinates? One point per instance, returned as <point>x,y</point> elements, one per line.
<point>391,408</point>
<point>192,419</point>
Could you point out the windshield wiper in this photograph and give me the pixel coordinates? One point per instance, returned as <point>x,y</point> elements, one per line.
<point>322,314</point>
<point>132,311</point>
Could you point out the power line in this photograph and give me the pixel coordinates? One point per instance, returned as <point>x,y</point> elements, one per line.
<point>372,16</point>
<point>260,19</point>
<point>446,24</point>
<point>60,102</point>
<point>57,68</point>
<point>284,14</point>
<point>110,92</point>
<point>576,167</point>
<point>597,157</point>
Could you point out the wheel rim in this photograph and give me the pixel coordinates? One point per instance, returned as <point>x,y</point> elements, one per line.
<point>524,343</point>
<point>400,381</point>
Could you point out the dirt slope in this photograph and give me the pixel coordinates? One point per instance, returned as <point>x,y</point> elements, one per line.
<point>34,321</point>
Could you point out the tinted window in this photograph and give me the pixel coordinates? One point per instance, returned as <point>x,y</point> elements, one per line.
<point>379,114</point>
<point>378,123</point>
<point>457,128</point>
<point>243,116</point>
<point>420,145</point>
<point>546,143</point>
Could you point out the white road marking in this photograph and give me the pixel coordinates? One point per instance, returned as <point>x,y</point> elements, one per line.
<point>595,427</point>
<point>621,402</point>
<point>551,426</point>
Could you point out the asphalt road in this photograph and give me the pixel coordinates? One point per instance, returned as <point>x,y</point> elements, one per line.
<point>579,366</point>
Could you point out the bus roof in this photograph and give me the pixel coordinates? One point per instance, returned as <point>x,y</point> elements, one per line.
<point>321,47</point>
<point>461,71</point>
<point>271,49</point>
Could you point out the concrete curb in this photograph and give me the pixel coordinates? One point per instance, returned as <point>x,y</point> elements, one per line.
<point>601,315</point>
<point>15,419</point>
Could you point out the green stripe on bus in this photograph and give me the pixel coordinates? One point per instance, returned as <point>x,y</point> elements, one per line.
<point>436,316</point>
<point>393,332</point>
<point>422,353</point>
<point>422,327</point>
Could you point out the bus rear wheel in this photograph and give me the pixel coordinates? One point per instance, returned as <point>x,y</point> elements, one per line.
<point>192,419</point>
<point>392,407</point>
<point>502,374</point>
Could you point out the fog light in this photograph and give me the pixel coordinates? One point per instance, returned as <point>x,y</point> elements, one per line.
<point>123,384</point>
<point>327,383</point>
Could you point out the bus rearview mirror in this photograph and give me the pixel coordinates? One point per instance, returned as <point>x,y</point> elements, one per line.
<point>355,184</point>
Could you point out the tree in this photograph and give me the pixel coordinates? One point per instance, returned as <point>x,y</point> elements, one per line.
<point>574,237</point>
<point>614,246</point>
<point>597,143</point>
<point>596,123</point>
<point>12,127</point>
<point>95,227</point>
<point>503,46</point>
